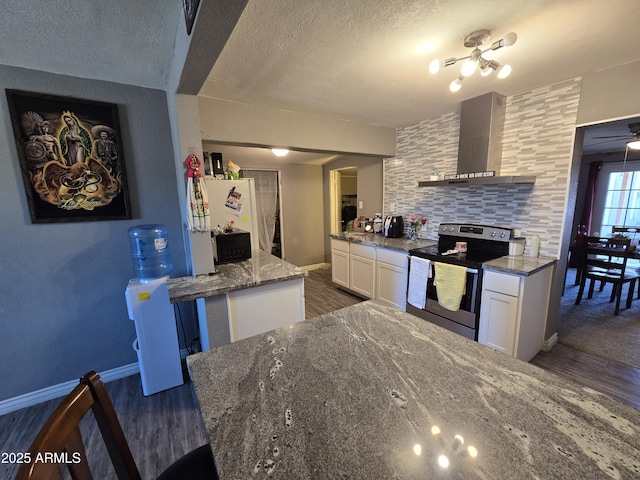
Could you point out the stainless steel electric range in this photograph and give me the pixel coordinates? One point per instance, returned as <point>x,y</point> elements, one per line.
<point>483,243</point>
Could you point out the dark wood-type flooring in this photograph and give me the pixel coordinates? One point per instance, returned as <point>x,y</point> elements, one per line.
<point>162,427</point>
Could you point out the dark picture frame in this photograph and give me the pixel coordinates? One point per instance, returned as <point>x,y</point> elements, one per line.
<point>71,157</point>
<point>190,8</point>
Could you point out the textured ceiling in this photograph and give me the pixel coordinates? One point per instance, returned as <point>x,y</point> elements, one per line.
<point>361,60</point>
<point>367,60</point>
<point>120,41</point>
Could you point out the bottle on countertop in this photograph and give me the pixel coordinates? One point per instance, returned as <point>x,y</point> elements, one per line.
<point>534,246</point>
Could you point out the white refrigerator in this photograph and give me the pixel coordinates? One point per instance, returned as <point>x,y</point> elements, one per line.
<point>234,200</point>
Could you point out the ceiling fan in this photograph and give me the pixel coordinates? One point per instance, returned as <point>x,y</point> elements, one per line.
<point>633,136</point>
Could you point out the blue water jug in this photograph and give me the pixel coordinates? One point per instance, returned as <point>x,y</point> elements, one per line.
<point>150,251</point>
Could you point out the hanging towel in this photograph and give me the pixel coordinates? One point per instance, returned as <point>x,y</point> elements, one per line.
<point>418,273</point>
<point>450,282</point>
<point>197,199</point>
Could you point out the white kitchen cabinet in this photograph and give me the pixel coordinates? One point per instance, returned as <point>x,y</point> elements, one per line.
<point>391,278</point>
<point>340,262</point>
<point>513,312</point>
<point>371,272</point>
<point>362,269</point>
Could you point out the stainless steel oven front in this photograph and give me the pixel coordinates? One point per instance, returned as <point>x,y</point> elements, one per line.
<point>463,321</point>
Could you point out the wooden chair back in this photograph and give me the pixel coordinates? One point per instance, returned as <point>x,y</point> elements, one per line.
<point>60,436</point>
<point>607,257</point>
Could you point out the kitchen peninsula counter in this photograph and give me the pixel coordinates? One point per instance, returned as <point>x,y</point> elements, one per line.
<point>261,269</point>
<point>244,298</point>
<point>380,241</point>
<point>372,392</point>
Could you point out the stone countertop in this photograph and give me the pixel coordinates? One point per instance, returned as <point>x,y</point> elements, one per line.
<point>519,264</point>
<point>363,392</point>
<point>261,269</point>
<point>402,244</point>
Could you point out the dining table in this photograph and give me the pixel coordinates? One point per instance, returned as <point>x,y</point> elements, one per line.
<point>576,252</point>
<point>372,392</point>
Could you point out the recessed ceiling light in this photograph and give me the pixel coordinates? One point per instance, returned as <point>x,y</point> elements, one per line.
<point>280,152</point>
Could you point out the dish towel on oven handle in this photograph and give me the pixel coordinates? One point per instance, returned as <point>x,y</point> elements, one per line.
<point>450,282</point>
<point>419,271</point>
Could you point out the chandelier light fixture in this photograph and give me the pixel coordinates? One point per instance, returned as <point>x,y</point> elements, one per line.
<point>478,58</point>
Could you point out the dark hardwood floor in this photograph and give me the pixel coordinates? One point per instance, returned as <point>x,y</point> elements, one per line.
<point>617,380</point>
<point>322,296</point>
<point>163,427</point>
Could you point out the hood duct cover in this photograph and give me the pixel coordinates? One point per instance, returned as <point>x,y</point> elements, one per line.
<point>480,143</point>
<point>481,128</point>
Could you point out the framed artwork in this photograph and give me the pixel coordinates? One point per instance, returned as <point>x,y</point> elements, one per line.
<point>190,8</point>
<point>70,154</point>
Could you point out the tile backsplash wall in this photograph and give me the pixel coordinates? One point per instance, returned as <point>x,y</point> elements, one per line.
<point>538,140</point>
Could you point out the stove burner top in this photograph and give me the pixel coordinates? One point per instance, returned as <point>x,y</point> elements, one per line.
<point>484,243</point>
<point>471,259</point>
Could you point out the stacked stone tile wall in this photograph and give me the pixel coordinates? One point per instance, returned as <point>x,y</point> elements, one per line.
<point>538,140</point>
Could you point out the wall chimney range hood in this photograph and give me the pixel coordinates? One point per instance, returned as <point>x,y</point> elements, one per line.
<point>480,145</point>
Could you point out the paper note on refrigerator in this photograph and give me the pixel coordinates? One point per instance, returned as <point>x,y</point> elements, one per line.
<point>233,200</point>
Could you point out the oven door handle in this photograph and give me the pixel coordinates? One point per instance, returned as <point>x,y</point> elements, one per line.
<point>473,271</point>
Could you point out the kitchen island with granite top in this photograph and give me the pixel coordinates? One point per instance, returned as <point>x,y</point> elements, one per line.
<point>244,298</point>
<point>370,392</point>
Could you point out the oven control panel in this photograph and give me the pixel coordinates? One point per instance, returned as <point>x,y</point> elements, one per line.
<point>485,232</point>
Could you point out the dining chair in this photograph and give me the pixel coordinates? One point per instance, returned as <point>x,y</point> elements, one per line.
<point>633,263</point>
<point>606,261</point>
<point>59,442</point>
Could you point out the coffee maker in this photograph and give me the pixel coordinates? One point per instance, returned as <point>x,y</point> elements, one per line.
<point>393,226</point>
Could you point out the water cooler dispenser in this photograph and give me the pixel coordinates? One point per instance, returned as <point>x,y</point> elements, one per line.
<point>149,307</point>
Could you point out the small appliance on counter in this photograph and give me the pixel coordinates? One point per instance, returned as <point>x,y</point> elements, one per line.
<point>231,247</point>
<point>393,226</point>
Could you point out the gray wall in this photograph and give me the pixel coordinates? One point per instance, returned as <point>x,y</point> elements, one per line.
<point>62,306</point>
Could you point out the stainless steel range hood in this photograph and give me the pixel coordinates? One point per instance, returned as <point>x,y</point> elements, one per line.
<point>480,145</point>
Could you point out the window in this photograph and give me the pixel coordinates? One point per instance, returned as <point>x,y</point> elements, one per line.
<point>621,197</point>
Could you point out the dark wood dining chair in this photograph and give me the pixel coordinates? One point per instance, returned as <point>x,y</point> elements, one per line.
<point>60,436</point>
<point>606,261</point>
<point>632,232</point>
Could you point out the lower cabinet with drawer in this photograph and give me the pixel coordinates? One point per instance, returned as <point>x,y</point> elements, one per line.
<point>370,272</point>
<point>513,312</point>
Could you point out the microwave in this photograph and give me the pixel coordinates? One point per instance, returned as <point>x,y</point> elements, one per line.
<point>231,247</point>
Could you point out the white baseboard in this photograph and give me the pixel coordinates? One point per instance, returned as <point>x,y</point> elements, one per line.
<point>549,343</point>
<point>61,389</point>
<point>316,266</point>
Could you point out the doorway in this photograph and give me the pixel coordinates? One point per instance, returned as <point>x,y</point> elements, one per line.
<point>344,198</point>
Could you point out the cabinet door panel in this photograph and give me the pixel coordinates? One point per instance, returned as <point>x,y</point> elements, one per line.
<point>362,275</point>
<point>498,317</point>
<point>340,268</point>
<point>391,285</point>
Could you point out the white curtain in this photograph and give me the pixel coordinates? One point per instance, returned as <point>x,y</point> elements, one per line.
<point>266,182</point>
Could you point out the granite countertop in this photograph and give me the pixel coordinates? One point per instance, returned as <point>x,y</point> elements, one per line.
<point>372,392</point>
<point>520,264</point>
<point>403,244</point>
<point>261,269</point>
